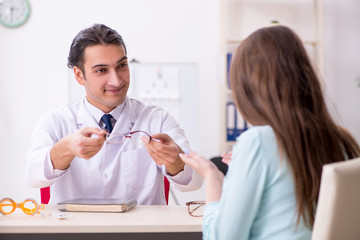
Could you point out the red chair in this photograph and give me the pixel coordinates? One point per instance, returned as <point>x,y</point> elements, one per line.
<point>45,195</point>
<point>45,192</point>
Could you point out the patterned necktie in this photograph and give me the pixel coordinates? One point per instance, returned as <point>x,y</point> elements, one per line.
<point>106,118</point>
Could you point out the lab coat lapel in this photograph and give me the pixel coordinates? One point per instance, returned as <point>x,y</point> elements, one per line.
<point>84,118</point>
<point>126,120</point>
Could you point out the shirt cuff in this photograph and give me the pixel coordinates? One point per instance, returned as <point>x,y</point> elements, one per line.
<point>183,177</point>
<point>49,171</point>
<point>210,207</point>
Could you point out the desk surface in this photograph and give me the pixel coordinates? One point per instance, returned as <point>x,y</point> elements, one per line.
<point>140,219</point>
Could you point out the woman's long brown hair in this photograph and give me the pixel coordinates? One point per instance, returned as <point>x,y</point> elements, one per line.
<point>274,83</point>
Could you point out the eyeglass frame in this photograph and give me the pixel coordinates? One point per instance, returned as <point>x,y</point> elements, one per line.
<point>21,205</point>
<point>200,203</point>
<point>128,135</point>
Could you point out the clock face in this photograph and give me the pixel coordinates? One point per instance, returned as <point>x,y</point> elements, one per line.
<point>14,13</point>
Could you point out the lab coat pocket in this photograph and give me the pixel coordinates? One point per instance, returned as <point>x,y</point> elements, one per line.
<point>140,169</point>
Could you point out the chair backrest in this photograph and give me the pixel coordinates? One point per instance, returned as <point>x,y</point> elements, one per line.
<point>45,192</point>
<point>45,195</point>
<point>338,209</point>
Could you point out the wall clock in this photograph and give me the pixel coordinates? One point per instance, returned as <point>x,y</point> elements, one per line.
<point>14,13</point>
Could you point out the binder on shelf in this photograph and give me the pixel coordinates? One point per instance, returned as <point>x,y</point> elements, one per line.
<point>235,124</point>
<point>228,63</point>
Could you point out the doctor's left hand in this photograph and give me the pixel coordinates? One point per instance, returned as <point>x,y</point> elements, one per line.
<point>165,152</point>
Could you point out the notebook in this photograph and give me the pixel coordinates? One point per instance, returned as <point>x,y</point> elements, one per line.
<point>97,205</point>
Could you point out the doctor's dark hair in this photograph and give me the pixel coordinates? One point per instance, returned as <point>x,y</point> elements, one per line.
<point>94,35</point>
<point>273,83</point>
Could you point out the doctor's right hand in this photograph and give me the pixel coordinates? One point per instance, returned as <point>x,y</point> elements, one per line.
<point>83,145</point>
<point>79,144</point>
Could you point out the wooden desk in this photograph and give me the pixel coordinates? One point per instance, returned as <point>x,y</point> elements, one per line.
<point>142,222</point>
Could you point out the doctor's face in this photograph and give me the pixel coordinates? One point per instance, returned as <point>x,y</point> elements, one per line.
<point>106,76</point>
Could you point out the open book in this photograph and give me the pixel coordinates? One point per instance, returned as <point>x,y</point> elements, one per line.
<point>98,205</point>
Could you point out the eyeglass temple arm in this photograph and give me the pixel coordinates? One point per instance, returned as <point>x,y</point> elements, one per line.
<point>151,138</point>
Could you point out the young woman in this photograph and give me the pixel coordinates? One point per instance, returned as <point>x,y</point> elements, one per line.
<point>272,185</point>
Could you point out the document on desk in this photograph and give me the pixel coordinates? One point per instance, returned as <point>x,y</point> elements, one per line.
<point>97,205</point>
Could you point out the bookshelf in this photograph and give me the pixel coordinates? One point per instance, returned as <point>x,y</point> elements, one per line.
<point>239,18</point>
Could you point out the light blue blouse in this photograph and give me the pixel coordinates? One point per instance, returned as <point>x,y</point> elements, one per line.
<point>258,197</point>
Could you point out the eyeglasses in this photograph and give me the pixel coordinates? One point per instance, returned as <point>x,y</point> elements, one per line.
<point>195,208</point>
<point>135,137</point>
<point>29,206</point>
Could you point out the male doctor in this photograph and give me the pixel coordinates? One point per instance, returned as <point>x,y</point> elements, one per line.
<point>73,153</point>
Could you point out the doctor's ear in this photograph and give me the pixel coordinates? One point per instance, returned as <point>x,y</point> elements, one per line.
<point>79,75</point>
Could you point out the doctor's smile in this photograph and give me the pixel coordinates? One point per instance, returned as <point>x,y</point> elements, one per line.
<point>115,90</point>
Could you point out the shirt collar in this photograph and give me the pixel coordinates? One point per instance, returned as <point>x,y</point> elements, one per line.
<point>97,113</point>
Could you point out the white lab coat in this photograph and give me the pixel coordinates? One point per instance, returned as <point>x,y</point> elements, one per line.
<point>120,171</point>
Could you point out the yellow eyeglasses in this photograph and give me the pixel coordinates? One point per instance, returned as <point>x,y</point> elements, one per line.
<point>29,206</point>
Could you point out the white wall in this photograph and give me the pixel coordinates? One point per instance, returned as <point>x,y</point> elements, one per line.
<point>342,62</point>
<point>33,75</point>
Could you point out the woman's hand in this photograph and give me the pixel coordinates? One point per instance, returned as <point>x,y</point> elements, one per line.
<point>226,157</point>
<point>200,164</point>
<point>209,171</point>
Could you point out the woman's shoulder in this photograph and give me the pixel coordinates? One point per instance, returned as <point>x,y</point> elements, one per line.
<point>260,141</point>
<point>263,134</point>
